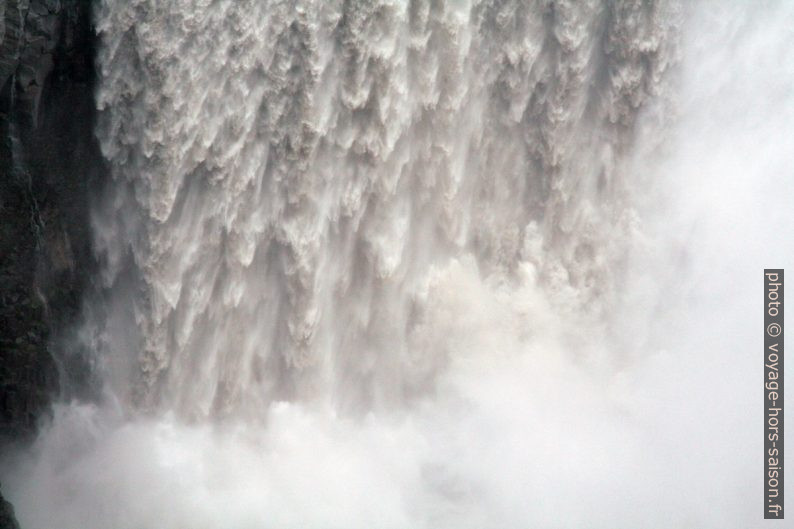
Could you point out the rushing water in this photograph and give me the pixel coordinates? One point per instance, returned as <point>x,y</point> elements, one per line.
<point>426,264</point>
<point>291,176</point>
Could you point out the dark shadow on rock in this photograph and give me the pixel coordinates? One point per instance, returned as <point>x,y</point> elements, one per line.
<point>50,164</point>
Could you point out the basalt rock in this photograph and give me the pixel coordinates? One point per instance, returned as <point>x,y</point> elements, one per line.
<point>7,518</point>
<point>49,163</point>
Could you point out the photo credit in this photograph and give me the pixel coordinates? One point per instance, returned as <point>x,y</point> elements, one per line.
<point>773,394</point>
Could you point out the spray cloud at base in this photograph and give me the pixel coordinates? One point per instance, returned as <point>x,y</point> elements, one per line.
<point>459,265</point>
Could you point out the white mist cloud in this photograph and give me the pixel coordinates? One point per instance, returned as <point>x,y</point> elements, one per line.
<point>651,419</point>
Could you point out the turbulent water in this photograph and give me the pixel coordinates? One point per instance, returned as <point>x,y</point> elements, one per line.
<point>293,175</point>
<point>424,264</point>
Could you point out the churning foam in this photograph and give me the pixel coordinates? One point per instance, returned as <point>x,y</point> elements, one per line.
<point>439,265</point>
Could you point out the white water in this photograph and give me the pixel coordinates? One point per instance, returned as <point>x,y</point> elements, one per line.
<point>389,265</point>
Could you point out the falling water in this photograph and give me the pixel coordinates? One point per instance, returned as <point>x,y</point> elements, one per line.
<point>293,177</point>
<point>400,264</point>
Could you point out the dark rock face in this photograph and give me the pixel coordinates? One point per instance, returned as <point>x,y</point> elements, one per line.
<point>49,164</point>
<point>7,519</point>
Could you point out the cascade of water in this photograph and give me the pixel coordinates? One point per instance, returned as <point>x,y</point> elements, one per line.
<point>426,264</point>
<point>289,174</point>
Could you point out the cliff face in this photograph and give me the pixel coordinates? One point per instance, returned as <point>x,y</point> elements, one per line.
<point>7,519</point>
<point>49,163</point>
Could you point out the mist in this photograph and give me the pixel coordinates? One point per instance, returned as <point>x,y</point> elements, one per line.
<point>542,405</point>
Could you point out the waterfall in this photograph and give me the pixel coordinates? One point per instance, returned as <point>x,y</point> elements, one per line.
<point>426,264</point>
<point>290,175</point>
